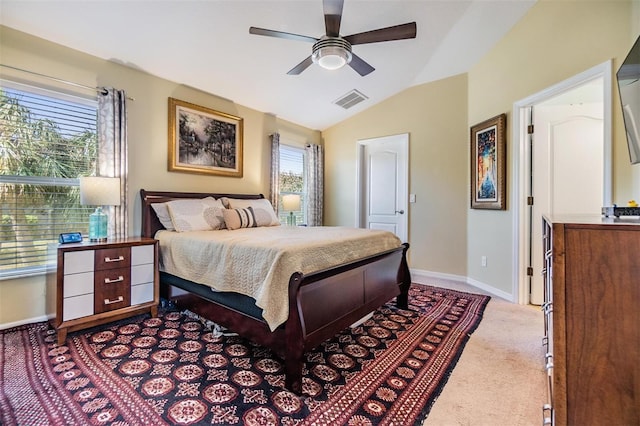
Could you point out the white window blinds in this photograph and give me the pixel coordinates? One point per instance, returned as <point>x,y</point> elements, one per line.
<point>47,140</point>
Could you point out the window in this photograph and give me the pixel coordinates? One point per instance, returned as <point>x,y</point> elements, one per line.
<point>292,181</point>
<point>47,140</point>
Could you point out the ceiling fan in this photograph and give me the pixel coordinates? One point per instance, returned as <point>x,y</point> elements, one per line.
<point>332,51</point>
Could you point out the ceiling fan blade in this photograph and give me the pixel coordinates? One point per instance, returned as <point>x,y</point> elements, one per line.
<point>301,66</point>
<point>280,34</point>
<point>397,32</point>
<point>360,66</point>
<point>333,16</point>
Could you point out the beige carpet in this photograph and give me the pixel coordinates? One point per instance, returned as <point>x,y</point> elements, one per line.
<point>500,377</point>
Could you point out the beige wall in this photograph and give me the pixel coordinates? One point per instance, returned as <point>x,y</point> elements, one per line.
<point>435,116</point>
<point>554,41</point>
<point>23,299</point>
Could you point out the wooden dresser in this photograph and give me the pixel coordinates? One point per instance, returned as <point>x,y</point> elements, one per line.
<point>592,320</point>
<point>94,283</point>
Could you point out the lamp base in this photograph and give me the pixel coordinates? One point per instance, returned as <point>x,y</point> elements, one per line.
<point>291,219</point>
<point>98,226</point>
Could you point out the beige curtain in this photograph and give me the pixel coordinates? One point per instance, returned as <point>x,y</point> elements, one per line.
<point>112,154</point>
<point>315,184</point>
<point>275,170</point>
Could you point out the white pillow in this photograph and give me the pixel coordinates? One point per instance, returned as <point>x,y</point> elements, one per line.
<point>196,214</point>
<point>163,215</point>
<point>257,204</point>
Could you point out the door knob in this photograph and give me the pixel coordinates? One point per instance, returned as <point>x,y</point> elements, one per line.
<point>400,211</point>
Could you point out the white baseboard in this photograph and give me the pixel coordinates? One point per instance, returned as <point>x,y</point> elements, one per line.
<point>7,325</point>
<point>421,276</point>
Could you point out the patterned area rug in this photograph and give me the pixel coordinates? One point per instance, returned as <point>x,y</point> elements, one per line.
<point>174,370</point>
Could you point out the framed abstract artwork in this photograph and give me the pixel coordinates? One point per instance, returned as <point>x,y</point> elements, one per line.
<point>204,141</point>
<point>488,164</point>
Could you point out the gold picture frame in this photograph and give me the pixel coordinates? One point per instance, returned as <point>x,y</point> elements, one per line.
<point>488,164</point>
<point>204,141</point>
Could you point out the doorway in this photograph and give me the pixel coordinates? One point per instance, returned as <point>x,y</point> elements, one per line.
<point>564,165</point>
<point>382,184</point>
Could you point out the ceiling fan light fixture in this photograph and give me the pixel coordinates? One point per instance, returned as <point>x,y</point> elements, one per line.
<point>331,53</point>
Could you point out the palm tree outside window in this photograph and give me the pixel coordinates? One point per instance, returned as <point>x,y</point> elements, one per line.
<point>47,141</point>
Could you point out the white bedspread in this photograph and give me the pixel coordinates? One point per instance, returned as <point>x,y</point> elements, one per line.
<point>258,262</point>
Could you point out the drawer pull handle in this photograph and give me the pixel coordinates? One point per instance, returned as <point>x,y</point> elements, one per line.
<point>110,281</point>
<point>118,259</point>
<point>109,302</point>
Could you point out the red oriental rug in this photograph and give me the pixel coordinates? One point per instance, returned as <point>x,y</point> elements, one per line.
<point>174,370</point>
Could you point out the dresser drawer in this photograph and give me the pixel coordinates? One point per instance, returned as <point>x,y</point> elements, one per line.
<point>113,258</point>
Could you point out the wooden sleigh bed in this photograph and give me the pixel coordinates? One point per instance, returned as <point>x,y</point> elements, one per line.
<point>320,304</point>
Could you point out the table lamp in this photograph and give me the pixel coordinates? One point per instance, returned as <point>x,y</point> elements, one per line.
<point>291,203</point>
<point>99,191</point>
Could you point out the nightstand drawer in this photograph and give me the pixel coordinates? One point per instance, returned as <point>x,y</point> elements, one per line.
<point>113,258</point>
<point>78,261</point>
<point>142,274</point>
<point>141,293</point>
<point>112,277</point>
<point>142,254</point>
<point>77,284</point>
<point>112,296</point>
<point>77,307</point>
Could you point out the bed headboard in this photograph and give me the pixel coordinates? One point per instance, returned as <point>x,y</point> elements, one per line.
<point>150,222</point>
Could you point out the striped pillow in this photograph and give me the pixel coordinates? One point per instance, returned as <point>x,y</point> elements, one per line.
<point>246,218</point>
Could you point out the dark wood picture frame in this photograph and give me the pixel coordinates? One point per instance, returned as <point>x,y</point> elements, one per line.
<point>488,164</point>
<point>204,141</point>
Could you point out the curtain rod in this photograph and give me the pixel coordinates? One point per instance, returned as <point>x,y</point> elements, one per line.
<point>71,83</point>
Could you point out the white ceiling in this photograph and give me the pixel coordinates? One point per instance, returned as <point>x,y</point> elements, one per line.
<point>206,44</point>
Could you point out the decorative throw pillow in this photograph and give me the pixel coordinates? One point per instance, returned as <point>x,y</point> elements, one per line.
<point>246,218</point>
<point>163,215</point>
<point>196,214</point>
<point>260,203</point>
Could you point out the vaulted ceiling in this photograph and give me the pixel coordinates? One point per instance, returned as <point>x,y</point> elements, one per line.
<point>206,44</point>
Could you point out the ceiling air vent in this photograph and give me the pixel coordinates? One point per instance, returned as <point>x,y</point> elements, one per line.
<point>350,99</point>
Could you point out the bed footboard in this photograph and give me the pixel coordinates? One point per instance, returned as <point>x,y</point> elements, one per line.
<point>348,293</point>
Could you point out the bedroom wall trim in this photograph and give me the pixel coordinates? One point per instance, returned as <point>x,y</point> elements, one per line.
<point>421,276</point>
<point>40,318</point>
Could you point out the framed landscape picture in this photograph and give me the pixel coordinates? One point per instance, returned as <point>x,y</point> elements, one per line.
<point>488,164</point>
<point>204,141</point>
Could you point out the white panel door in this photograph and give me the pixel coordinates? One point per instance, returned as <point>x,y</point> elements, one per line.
<point>385,172</point>
<point>568,171</point>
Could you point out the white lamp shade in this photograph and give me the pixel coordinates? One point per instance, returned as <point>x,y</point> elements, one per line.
<point>291,202</point>
<point>99,191</point>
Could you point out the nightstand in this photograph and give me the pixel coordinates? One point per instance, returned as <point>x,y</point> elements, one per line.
<point>95,283</point>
